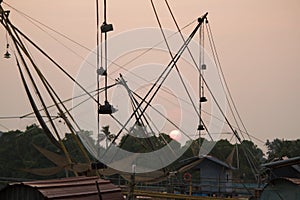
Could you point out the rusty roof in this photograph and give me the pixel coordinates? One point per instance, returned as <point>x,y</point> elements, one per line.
<point>76,188</point>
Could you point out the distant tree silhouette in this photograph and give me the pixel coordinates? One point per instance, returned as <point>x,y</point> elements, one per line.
<point>282,148</point>
<point>17,152</point>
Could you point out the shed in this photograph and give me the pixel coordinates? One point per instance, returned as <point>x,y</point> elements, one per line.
<point>215,176</point>
<point>75,188</point>
<point>289,168</point>
<point>282,188</point>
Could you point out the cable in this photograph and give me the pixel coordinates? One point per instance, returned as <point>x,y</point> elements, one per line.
<point>32,20</point>
<point>98,68</point>
<point>52,60</point>
<point>18,44</point>
<point>220,78</point>
<point>164,74</point>
<point>4,127</point>
<point>223,76</point>
<point>21,48</point>
<point>48,27</point>
<point>176,67</point>
<point>143,53</point>
<point>197,67</point>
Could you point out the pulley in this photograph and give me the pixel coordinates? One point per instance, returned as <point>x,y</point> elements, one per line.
<point>106,109</point>
<point>203,99</point>
<point>200,127</point>
<point>101,71</point>
<point>106,27</point>
<point>7,54</point>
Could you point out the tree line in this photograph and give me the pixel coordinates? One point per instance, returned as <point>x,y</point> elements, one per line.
<point>17,151</point>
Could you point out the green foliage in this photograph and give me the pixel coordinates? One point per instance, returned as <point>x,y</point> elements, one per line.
<point>247,157</point>
<point>250,159</point>
<point>222,149</point>
<point>73,148</point>
<point>144,144</point>
<point>17,152</point>
<point>281,148</point>
<point>109,136</point>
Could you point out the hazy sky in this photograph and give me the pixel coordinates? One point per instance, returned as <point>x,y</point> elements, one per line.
<point>258,43</point>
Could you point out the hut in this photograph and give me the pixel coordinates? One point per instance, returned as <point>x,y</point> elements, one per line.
<point>214,177</point>
<point>283,178</point>
<point>76,188</point>
<point>289,168</point>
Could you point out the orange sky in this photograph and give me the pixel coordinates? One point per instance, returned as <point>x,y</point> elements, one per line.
<point>258,43</point>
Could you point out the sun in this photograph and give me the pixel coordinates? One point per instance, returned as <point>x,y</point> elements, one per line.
<point>176,135</point>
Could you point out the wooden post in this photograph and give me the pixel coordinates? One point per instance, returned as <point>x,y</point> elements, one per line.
<point>131,185</point>
<point>99,192</point>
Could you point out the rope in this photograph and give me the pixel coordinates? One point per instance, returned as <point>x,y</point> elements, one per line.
<point>172,57</point>
<point>220,78</point>
<point>225,82</point>
<point>226,88</point>
<point>32,20</point>
<point>165,72</point>
<point>19,45</point>
<point>53,61</point>
<point>31,100</point>
<point>194,61</point>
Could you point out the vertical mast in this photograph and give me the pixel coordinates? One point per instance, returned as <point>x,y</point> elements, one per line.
<point>202,67</point>
<point>105,28</point>
<point>98,69</point>
<point>102,55</point>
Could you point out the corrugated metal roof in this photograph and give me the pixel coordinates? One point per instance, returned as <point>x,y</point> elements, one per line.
<point>74,188</point>
<point>194,161</point>
<point>216,160</point>
<point>282,163</point>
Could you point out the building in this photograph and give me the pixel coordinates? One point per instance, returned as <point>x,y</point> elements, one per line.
<point>289,168</point>
<point>76,188</point>
<point>213,176</point>
<point>281,188</point>
<point>283,180</point>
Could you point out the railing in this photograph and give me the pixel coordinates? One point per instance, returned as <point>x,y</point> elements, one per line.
<point>141,194</point>
<point>206,187</point>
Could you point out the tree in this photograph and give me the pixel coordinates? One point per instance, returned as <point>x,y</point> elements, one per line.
<point>222,149</point>
<point>132,143</point>
<point>17,152</point>
<point>250,158</point>
<point>281,148</point>
<point>109,137</point>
